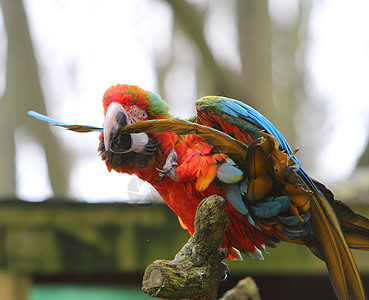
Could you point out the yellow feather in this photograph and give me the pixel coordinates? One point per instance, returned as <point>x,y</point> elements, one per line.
<point>357,241</point>
<point>183,225</point>
<point>206,177</point>
<point>235,149</point>
<point>340,262</point>
<point>259,187</point>
<point>258,161</point>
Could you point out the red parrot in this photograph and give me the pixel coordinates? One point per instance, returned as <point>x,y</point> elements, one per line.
<point>231,150</point>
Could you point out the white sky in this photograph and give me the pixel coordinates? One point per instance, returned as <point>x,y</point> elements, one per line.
<point>86,46</point>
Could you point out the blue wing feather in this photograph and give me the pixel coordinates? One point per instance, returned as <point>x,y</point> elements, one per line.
<point>323,224</point>
<point>242,115</point>
<point>242,110</point>
<point>246,117</point>
<point>72,127</point>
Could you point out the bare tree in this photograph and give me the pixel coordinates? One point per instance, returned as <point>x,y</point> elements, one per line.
<point>256,38</point>
<point>23,92</point>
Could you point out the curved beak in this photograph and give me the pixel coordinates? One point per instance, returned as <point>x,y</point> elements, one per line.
<point>115,119</point>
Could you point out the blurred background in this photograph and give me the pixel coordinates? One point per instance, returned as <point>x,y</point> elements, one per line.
<point>66,220</point>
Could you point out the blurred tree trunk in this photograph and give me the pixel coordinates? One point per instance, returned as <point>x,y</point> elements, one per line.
<point>23,92</point>
<point>364,158</point>
<point>254,34</point>
<point>254,85</point>
<point>266,48</point>
<point>212,78</point>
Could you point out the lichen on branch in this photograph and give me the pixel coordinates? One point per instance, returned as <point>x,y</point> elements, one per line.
<point>197,269</point>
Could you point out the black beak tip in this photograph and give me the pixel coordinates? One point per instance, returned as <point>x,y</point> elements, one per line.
<point>108,154</point>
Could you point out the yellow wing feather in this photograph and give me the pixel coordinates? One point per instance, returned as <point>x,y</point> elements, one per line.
<point>235,149</point>
<point>342,268</point>
<point>327,231</point>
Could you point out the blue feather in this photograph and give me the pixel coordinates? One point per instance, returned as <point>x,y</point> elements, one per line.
<point>78,128</point>
<point>45,118</point>
<point>272,207</point>
<point>235,198</point>
<point>290,221</point>
<point>285,201</point>
<point>244,116</point>
<point>237,111</point>
<point>293,233</point>
<point>229,173</point>
<point>244,186</point>
<point>266,210</point>
<point>259,120</point>
<point>252,222</point>
<point>249,114</point>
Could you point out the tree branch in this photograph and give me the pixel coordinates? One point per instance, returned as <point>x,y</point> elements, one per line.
<point>246,289</point>
<point>197,269</point>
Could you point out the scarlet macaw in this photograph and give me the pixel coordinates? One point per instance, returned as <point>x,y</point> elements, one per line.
<point>231,150</point>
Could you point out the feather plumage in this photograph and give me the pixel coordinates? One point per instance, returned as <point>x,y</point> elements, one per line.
<point>305,196</point>
<point>235,149</point>
<point>325,225</point>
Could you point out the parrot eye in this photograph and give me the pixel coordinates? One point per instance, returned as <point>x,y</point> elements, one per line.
<point>136,114</point>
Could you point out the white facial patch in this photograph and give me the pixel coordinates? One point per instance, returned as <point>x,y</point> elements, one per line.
<point>136,114</point>
<point>139,141</point>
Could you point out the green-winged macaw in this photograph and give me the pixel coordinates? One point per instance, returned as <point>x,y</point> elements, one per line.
<point>230,149</point>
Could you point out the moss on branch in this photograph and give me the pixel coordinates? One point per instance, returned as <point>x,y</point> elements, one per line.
<point>197,269</point>
<point>246,289</point>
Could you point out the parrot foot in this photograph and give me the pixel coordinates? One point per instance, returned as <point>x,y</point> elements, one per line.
<point>225,272</point>
<point>223,252</point>
<point>169,168</point>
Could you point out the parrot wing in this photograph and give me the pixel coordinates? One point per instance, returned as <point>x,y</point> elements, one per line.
<point>240,131</point>
<point>72,127</point>
<point>230,114</point>
<point>235,149</point>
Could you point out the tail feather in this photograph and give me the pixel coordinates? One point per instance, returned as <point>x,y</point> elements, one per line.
<point>345,214</point>
<point>357,240</point>
<point>332,246</point>
<point>354,239</point>
<point>355,227</point>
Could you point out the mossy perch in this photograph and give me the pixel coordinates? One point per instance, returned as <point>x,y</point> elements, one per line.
<point>197,269</point>
<point>246,289</point>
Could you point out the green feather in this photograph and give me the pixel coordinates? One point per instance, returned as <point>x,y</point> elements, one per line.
<point>157,107</point>
<point>235,149</point>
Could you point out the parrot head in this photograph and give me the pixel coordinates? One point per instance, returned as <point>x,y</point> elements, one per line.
<point>123,105</point>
